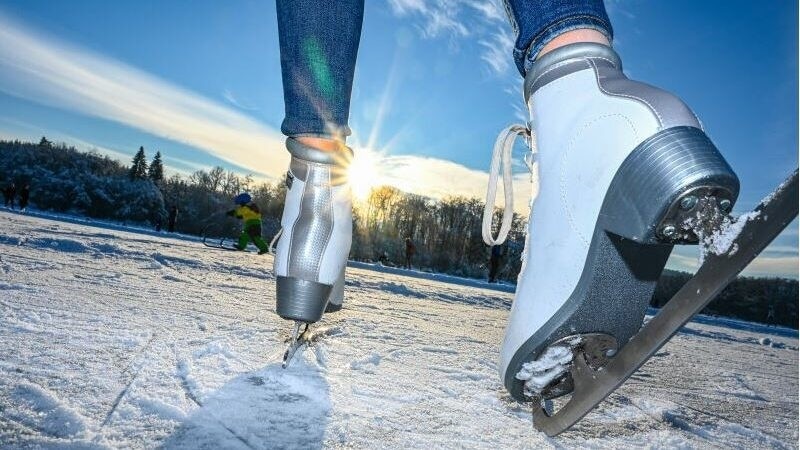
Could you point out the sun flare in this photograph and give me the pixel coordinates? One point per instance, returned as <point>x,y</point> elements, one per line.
<point>364,172</point>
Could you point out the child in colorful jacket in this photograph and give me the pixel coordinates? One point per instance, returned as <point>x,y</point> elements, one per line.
<point>248,211</point>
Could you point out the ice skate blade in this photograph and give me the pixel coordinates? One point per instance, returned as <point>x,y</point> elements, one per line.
<point>307,338</point>
<point>298,340</point>
<point>592,386</point>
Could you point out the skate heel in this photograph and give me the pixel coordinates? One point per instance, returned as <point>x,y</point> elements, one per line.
<point>337,294</point>
<point>666,181</point>
<point>301,300</point>
<point>664,184</point>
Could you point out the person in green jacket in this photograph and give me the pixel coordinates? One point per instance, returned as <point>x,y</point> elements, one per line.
<point>248,211</point>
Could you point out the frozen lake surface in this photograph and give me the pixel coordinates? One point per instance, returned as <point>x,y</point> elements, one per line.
<point>112,338</point>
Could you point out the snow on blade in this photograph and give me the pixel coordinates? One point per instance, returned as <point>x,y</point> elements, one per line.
<point>722,240</point>
<point>538,374</point>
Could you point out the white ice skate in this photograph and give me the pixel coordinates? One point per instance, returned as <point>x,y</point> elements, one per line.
<point>623,171</point>
<point>316,234</point>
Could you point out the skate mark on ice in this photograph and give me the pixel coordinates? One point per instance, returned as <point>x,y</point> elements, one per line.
<point>13,287</point>
<point>432,349</point>
<point>174,278</point>
<point>188,384</point>
<point>398,289</point>
<point>128,385</point>
<point>172,261</point>
<point>727,337</point>
<point>459,375</point>
<point>743,389</point>
<point>706,425</point>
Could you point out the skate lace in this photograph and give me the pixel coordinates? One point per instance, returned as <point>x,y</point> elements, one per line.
<point>501,161</point>
<point>271,248</point>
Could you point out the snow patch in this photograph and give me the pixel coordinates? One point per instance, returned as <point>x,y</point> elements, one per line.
<point>38,408</point>
<point>367,364</point>
<point>157,407</point>
<point>220,347</point>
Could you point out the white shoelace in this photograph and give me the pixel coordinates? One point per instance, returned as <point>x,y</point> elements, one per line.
<point>501,160</point>
<point>271,248</point>
<point>500,155</point>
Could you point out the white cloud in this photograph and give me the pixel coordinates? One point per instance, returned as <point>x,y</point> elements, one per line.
<point>438,18</point>
<point>228,95</point>
<point>483,21</point>
<point>491,10</point>
<point>439,178</point>
<point>53,73</point>
<point>497,50</point>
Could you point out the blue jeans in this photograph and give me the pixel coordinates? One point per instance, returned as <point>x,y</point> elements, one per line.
<point>319,44</point>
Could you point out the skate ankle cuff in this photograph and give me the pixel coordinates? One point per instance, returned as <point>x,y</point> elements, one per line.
<point>340,158</point>
<point>564,61</point>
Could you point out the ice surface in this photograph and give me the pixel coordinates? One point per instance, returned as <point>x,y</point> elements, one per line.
<point>134,339</point>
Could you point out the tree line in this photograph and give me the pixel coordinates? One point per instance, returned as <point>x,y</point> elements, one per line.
<point>446,233</point>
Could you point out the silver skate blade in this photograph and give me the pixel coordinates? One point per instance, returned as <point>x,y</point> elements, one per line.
<point>308,338</point>
<point>297,340</point>
<point>592,386</point>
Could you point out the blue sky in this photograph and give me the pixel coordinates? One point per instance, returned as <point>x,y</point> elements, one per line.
<point>200,81</point>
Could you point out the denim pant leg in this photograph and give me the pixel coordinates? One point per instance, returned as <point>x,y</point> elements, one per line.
<point>319,43</point>
<point>536,23</point>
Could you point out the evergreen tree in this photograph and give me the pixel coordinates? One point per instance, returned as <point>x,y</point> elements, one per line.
<point>44,143</point>
<point>156,170</point>
<point>139,166</point>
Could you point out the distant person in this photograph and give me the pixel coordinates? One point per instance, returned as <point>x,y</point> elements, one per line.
<point>8,194</point>
<point>771,315</point>
<point>248,211</point>
<point>494,262</point>
<point>411,249</point>
<point>24,195</point>
<point>173,217</point>
<point>158,223</point>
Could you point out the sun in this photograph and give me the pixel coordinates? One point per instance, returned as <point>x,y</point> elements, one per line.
<point>364,172</point>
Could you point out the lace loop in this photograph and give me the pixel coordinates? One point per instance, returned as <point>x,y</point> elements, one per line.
<point>271,248</point>
<point>501,161</point>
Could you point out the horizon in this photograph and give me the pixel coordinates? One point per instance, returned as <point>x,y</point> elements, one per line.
<point>676,269</point>
<point>429,97</point>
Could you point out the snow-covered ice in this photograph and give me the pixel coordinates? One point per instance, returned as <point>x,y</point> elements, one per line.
<point>114,338</point>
